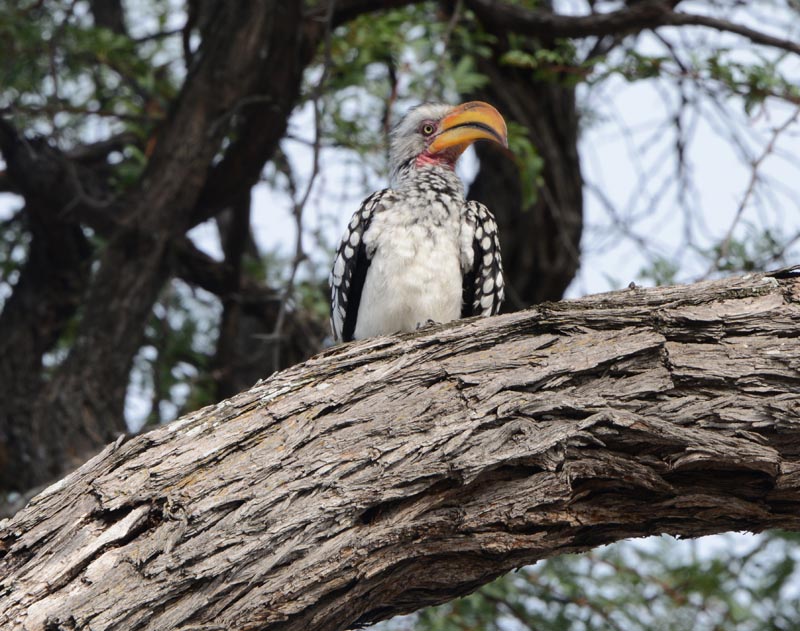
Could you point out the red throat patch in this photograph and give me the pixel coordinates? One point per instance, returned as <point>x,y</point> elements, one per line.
<point>439,159</point>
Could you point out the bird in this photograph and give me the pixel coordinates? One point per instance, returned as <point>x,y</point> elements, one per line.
<point>419,252</point>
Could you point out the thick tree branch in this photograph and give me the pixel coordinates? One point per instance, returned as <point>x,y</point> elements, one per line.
<point>7,184</point>
<point>69,185</point>
<point>109,14</point>
<point>403,471</point>
<point>757,37</point>
<point>634,18</point>
<point>198,268</point>
<point>346,10</point>
<point>45,300</point>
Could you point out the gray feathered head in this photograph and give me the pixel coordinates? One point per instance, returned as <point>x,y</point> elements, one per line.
<point>437,133</point>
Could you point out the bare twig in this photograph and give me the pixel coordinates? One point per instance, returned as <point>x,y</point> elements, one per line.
<point>157,35</point>
<point>623,226</point>
<point>394,85</point>
<point>724,248</point>
<point>440,61</point>
<point>55,106</point>
<point>52,49</point>
<point>300,204</point>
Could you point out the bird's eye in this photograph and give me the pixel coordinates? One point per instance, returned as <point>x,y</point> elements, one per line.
<point>427,129</point>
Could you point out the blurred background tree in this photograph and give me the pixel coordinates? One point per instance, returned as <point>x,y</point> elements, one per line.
<point>176,173</point>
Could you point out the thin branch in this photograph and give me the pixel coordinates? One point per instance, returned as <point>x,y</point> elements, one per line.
<point>56,106</point>
<point>157,35</point>
<point>724,248</point>
<point>100,150</point>
<point>300,204</point>
<point>455,16</point>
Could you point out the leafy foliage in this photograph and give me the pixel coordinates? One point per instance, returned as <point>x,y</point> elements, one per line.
<point>661,271</point>
<point>726,582</point>
<point>760,250</point>
<point>64,76</point>
<point>528,161</point>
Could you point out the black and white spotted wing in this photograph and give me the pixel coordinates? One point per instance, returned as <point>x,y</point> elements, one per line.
<point>483,287</point>
<point>350,270</point>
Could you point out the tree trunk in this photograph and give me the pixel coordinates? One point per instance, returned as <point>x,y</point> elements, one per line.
<point>45,300</point>
<point>403,471</point>
<point>250,52</point>
<point>540,241</point>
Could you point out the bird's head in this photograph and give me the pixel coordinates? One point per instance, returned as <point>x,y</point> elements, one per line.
<point>437,134</point>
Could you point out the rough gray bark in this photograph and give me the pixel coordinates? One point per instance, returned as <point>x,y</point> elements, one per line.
<point>403,471</point>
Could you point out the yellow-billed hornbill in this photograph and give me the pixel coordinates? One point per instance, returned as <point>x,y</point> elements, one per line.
<point>419,251</point>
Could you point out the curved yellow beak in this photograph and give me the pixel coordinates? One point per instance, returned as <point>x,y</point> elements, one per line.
<point>467,123</point>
